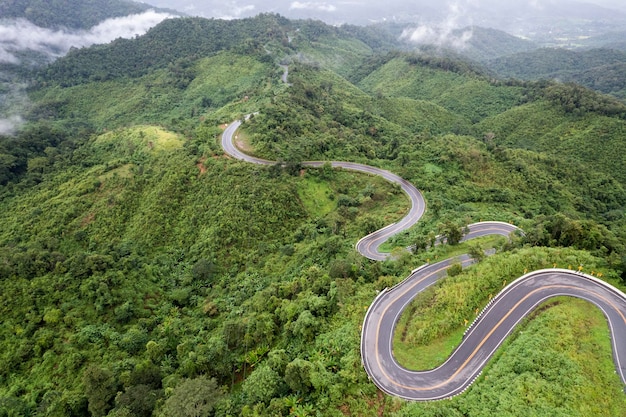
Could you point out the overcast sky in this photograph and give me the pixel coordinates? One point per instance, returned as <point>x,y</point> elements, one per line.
<point>356,10</point>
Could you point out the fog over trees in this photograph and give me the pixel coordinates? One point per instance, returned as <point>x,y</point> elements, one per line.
<point>364,11</point>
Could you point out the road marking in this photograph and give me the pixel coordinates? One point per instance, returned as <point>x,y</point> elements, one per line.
<point>485,338</point>
<point>370,250</point>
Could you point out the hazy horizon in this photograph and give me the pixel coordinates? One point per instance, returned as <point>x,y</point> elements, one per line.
<point>548,22</point>
<point>363,11</point>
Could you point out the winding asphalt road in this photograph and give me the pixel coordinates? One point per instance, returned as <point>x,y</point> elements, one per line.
<point>490,328</point>
<point>368,246</point>
<point>484,336</point>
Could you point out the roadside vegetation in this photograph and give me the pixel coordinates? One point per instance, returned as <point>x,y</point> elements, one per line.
<point>145,273</point>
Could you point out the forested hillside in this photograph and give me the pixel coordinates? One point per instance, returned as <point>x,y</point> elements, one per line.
<point>74,14</point>
<point>613,40</point>
<point>145,273</point>
<point>182,41</point>
<point>487,43</point>
<point>599,69</point>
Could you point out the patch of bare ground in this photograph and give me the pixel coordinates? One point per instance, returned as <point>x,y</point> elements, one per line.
<point>88,219</point>
<point>242,144</point>
<point>201,166</point>
<point>381,407</point>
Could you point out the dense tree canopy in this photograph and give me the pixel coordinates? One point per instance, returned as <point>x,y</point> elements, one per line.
<point>146,273</point>
<point>77,14</point>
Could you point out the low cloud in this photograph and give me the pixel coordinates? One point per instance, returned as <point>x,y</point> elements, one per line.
<point>13,102</point>
<point>9,125</point>
<point>318,6</point>
<point>238,11</point>
<point>19,35</point>
<point>442,34</point>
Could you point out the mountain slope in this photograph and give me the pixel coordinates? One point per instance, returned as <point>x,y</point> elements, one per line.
<point>139,263</point>
<point>599,69</point>
<point>267,36</point>
<point>486,44</point>
<point>73,14</point>
<point>175,96</point>
<point>175,39</point>
<point>442,81</point>
<point>612,40</point>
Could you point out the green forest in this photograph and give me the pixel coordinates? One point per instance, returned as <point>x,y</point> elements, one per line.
<point>146,273</point>
<point>600,69</point>
<point>75,14</point>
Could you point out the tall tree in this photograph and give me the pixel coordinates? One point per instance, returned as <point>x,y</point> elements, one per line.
<point>100,388</point>
<point>193,398</point>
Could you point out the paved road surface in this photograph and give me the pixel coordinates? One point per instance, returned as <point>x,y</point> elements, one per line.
<point>484,336</point>
<point>497,321</point>
<point>368,246</point>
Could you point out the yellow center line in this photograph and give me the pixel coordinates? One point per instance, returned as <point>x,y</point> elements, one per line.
<point>484,340</point>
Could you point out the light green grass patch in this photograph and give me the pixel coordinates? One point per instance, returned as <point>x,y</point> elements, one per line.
<point>339,55</point>
<point>143,137</point>
<point>447,251</point>
<point>422,358</point>
<point>315,196</point>
<point>124,171</point>
<point>432,169</point>
<point>243,141</point>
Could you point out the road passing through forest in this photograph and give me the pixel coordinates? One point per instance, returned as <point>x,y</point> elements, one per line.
<point>490,328</point>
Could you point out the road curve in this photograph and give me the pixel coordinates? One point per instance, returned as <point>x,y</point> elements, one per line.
<point>369,245</point>
<point>485,335</point>
<point>488,331</point>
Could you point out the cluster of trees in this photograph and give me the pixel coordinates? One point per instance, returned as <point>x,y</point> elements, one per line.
<point>579,100</point>
<point>145,273</point>
<point>176,39</point>
<point>75,14</point>
<point>445,63</point>
<point>32,150</point>
<point>598,69</point>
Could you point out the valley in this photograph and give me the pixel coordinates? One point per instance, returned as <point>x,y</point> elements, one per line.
<point>140,260</point>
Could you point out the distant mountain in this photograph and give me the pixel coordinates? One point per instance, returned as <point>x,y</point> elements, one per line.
<point>549,62</point>
<point>599,69</point>
<point>139,262</point>
<point>613,40</point>
<point>486,44</point>
<point>72,14</point>
<point>547,21</point>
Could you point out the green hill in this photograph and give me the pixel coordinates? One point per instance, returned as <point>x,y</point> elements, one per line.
<point>175,96</point>
<point>176,40</point>
<point>267,36</point>
<point>599,69</point>
<point>452,84</point>
<point>487,44</point>
<point>75,14</point>
<point>144,271</point>
<point>612,40</point>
